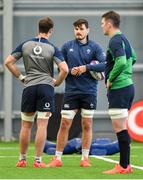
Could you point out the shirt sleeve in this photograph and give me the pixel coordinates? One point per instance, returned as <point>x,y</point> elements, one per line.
<point>58,57</point>
<point>99,53</point>
<point>99,56</point>
<point>117,47</point>
<point>119,66</point>
<point>64,51</point>
<point>17,53</point>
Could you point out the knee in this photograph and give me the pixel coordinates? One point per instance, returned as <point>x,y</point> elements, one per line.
<point>65,125</point>
<point>26,125</point>
<point>118,117</point>
<point>87,125</point>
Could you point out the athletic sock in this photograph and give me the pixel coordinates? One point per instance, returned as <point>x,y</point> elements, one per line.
<point>124,146</point>
<point>59,154</point>
<point>22,157</point>
<point>38,159</point>
<point>85,154</point>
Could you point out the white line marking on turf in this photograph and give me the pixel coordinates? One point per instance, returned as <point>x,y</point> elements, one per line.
<point>13,148</point>
<point>113,161</point>
<point>136,147</point>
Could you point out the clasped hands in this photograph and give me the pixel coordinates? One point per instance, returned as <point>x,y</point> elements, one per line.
<point>77,71</point>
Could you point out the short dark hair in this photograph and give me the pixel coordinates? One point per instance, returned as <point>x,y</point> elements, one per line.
<point>45,25</point>
<point>114,17</point>
<point>79,22</point>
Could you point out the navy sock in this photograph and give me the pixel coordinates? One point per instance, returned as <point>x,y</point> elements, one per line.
<point>124,146</point>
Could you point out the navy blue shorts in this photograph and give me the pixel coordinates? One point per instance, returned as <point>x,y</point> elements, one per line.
<point>78,101</point>
<point>38,98</point>
<point>121,98</point>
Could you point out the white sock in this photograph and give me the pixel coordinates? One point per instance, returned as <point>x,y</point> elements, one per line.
<point>22,157</point>
<point>59,154</point>
<point>85,154</point>
<point>38,159</point>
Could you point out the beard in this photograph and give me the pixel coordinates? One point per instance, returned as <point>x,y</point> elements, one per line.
<point>79,37</point>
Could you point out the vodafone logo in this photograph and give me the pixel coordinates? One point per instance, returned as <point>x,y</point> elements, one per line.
<point>135,121</point>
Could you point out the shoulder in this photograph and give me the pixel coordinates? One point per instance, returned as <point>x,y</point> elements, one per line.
<point>115,40</point>
<point>28,43</point>
<point>68,44</point>
<point>20,46</point>
<point>49,45</point>
<point>94,44</point>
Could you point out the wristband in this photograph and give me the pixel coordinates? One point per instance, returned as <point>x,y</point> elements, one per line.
<point>21,77</point>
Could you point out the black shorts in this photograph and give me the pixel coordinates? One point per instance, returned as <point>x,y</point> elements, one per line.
<point>78,101</point>
<point>121,98</point>
<point>38,98</point>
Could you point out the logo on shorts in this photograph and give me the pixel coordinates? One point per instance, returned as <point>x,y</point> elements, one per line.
<point>66,106</point>
<point>47,105</point>
<point>91,105</point>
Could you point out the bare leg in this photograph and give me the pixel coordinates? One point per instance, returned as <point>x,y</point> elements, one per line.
<point>25,136</point>
<point>40,136</point>
<point>63,133</point>
<point>62,139</point>
<point>119,124</point>
<point>86,133</point>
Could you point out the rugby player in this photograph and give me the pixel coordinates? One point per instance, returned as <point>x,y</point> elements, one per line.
<point>38,95</point>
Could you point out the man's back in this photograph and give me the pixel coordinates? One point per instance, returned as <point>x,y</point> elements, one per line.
<point>38,55</point>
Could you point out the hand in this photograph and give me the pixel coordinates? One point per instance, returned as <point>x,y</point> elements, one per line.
<point>54,82</point>
<point>81,69</point>
<point>108,84</point>
<point>74,71</point>
<point>22,78</point>
<point>77,71</point>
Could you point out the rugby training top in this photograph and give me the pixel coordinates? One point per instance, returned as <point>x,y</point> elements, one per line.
<point>76,54</point>
<point>120,58</point>
<point>38,55</point>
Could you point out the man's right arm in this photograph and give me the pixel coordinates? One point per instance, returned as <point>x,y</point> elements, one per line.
<point>62,66</point>
<point>64,50</point>
<point>63,72</point>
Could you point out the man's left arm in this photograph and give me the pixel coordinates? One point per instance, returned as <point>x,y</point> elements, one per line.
<point>10,64</point>
<point>117,48</point>
<point>120,63</point>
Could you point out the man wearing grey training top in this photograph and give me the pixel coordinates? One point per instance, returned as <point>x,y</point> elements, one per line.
<point>38,94</point>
